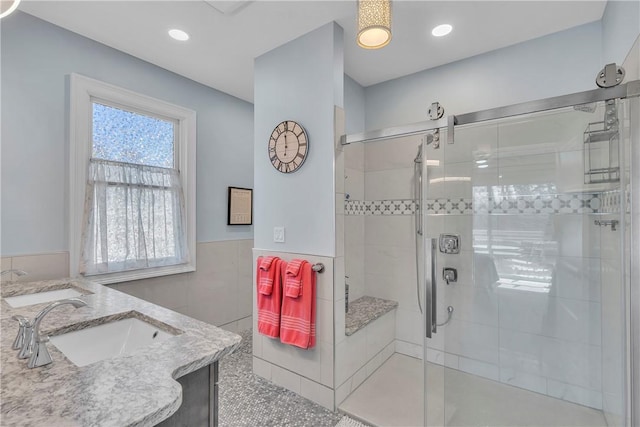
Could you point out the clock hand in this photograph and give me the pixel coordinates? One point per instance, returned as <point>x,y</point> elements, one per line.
<point>285,144</point>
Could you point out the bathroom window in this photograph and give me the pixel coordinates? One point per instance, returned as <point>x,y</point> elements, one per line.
<point>134,216</point>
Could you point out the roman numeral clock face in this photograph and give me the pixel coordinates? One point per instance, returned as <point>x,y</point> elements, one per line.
<point>288,146</point>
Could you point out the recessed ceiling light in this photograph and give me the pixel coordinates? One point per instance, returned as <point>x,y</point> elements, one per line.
<point>442,30</point>
<point>178,35</point>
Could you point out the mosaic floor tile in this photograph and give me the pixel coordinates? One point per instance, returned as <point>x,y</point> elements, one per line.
<point>247,400</point>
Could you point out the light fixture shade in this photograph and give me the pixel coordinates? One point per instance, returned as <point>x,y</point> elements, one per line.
<point>374,23</point>
<point>8,6</point>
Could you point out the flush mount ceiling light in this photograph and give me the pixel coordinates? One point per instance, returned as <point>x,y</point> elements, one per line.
<point>374,23</point>
<point>8,6</point>
<point>178,35</point>
<point>441,30</point>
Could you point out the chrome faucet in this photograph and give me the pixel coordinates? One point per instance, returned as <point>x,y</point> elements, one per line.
<point>14,270</point>
<point>36,348</point>
<point>24,324</point>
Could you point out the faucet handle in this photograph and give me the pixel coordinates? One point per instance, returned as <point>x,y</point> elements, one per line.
<point>23,323</point>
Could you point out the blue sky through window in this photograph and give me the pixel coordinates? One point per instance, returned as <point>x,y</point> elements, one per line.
<point>124,136</point>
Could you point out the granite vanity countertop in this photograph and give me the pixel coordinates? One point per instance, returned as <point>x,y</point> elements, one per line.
<point>365,310</point>
<point>134,390</point>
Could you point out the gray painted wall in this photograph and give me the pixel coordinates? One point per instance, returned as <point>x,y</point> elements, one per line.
<point>36,59</point>
<point>620,28</point>
<point>353,106</point>
<point>561,63</point>
<point>302,80</point>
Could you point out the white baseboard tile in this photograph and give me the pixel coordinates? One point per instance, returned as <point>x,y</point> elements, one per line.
<point>408,349</point>
<point>317,393</point>
<point>262,368</point>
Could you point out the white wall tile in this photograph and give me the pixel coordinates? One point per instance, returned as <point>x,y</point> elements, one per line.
<point>317,393</point>
<point>471,303</point>
<point>42,266</point>
<point>339,235</point>
<point>389,184</point>
<point>435,356</point>
<point>523,380</point>
<point>409,326</point>
<point>245,323</point>
<point>482,137</point>
<point>576,278</point>
<point>358,378</point>
<point>373,364</point>
<point>408,349</point>
<point>354,184</point>
<point>572,393</point>
<point>391,154</point>
<point>480,368</point>
<point>354,156</point>
<point>285,378</point>
<point>388,351</point>
<point>473,341</point>
<point>340,171</point>
<point>343,391</point>
<point>541,314</point>
<point>324,321</point>
<point>389,230</point>
<point>380,333</point>
<point>326,366</point>
<point>451,361</point>
<point>262,368</point>
<point>349,356</point>
<point>339,315</point>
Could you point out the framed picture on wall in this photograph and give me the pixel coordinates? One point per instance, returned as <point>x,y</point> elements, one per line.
<point>240,206</point>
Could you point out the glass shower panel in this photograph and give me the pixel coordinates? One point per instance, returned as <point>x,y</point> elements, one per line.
<point>536,334</point>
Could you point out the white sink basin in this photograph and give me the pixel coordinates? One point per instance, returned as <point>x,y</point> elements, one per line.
<point>109,340</point>
<point>40,297</point>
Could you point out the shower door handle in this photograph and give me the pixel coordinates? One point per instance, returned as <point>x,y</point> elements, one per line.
<point>430,292</point>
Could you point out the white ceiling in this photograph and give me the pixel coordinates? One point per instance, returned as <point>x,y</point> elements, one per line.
<point>227,35</point>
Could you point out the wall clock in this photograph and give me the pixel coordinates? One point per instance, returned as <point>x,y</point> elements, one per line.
<point>288,146</point>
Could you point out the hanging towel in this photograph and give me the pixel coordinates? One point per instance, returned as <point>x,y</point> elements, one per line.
<point>266,274</point>
<point>293,278</point>
<point>298,318</point>
<point>269,298</point>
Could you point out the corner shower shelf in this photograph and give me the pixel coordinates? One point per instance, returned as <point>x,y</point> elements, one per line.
<point>365,310</point>
<point>601,143</point>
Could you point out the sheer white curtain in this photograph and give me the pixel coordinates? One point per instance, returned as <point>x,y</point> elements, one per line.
<point>134,218</point>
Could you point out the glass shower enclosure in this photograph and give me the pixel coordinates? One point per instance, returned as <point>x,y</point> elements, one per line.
<point>525,221</point>
<point>505,239</point>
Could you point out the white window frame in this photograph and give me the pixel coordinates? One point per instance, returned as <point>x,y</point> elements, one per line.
<point>83,92</point>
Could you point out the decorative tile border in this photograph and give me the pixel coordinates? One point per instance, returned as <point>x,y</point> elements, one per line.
<point>380,207</point>
<point>611,202</point>
<point>573,203</point>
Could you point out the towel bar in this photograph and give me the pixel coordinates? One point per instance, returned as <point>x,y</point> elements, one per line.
<point>318,267</point>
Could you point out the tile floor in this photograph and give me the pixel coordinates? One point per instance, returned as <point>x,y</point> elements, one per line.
<point>247,400</point>
<point>471,400</point>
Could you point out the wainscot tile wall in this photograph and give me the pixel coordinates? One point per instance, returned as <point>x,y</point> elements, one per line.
<point>219,292</point>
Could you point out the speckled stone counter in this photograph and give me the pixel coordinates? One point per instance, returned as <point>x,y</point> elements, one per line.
<point>133,390</point>
<point>365,310</point>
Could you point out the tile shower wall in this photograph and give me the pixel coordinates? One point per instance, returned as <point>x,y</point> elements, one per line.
<point>528,298</point>
<point>380,242</point>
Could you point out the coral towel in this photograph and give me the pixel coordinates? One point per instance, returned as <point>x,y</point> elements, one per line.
<point>293,278</point>
<point>269,295</point>
<point>266,274</point>
<point>298,317</point>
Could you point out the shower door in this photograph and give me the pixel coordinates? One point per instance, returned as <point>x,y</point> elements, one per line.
<point>536,335</point>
